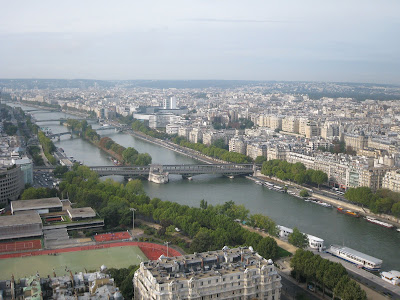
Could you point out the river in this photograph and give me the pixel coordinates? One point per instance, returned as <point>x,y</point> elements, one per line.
<point>284,209</point>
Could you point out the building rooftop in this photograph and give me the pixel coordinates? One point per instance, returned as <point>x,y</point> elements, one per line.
<point>82,212</point>
<point>206,264</point>
<point>22,219</point>
<point>35,204</point>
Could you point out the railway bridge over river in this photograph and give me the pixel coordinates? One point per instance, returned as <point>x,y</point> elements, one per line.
<point>159,173</point>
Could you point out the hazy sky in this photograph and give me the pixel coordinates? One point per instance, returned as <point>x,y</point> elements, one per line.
<point>209,39</point>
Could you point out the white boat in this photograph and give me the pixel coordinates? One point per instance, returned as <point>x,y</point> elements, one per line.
<point>258,182</point>
<point>398,229</point>
<point>392,277</point>
<point>324,204</point>
<point>362,260</point>
<point>380,223</point>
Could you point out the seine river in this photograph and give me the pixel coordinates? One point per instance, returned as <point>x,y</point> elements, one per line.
<point>284,209</point>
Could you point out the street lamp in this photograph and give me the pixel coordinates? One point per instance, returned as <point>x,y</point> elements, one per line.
<point>133,218</point>
<point>166,243</point>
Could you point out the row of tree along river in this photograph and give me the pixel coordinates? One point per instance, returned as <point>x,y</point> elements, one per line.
<point>284,209</point>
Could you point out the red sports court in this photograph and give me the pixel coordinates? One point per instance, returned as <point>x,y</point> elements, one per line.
<point>115,236</point>
<point>20,246</point>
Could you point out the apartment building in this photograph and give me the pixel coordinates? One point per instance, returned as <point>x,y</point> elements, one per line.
<point>356,141</point>
<point>391,181</point>
<point>290,124</point>
<point>237,144</point>
<point>256,149</point>
<point>238,273</point>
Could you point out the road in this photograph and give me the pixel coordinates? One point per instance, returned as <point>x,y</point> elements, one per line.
<point>365,277</point>
<point>291,289</point>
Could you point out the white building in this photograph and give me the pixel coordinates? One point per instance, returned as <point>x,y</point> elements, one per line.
<point>239,273</point>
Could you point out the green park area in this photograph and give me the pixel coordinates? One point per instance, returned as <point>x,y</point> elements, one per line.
<point>91,260</point>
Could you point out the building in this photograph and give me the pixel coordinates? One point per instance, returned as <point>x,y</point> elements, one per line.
<point>11,183</point>
<point>78,286</point>
<point>169,103</point>
<point>256,149</point>
<point>172,128</point>
<point>26,167</point>
<point>290,124</point>
<point>391,181</point>
<point>20,226</point>
<point>239,273</point>
<point>356,142</point>
<point>329,131</point>
<point>41,206</point>
<point>237,144</point>
<point>311,129</point>
<point>196,135</point>
<point>82,213</point>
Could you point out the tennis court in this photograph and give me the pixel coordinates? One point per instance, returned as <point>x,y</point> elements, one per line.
<point>20,246</point>
<point>77,261</point>
<point>115,236</point>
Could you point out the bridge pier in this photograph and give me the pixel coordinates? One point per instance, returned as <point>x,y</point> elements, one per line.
<point>187,176</point>
<point>157,175</point>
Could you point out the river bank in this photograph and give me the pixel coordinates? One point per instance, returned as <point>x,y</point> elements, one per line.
<point>330,200</point>
<point>173,147</point>
<point>327,198</point>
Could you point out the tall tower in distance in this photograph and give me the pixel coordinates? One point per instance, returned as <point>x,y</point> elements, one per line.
<point>169,103</point>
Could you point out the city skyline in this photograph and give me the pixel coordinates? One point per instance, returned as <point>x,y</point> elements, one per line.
<point>333,41</point>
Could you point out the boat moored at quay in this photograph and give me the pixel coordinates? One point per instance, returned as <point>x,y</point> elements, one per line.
<point>360,259</point>
<point>348,212</point>
<point>380,223</point>
<point>393,277</point>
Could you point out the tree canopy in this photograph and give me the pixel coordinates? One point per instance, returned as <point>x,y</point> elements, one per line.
<point>296,172</point>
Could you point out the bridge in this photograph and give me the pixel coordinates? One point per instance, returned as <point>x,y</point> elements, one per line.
<point>58,135</point>
<point>42,110</point>
<point>64,120</point>
<point>160,173</point>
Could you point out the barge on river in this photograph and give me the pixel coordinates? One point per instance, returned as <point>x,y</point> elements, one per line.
<point>348,212</point>
<point>380,223</point>
<point>362,260</point>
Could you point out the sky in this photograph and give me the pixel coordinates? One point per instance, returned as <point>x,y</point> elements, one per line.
<point>291,40</point>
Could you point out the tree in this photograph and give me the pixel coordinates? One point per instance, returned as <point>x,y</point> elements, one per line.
<point>298,239</point>
<point>319,177</point>
<point>304,193</point>
<point>260,159</point>
<point>59,171</point>
<point>219,143</point>
<point>203,204</point>
<point>267,248</point>
<point>38,193</point>
<point>135,187</point>
<point>202,241</point>
<point>396,209</point>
